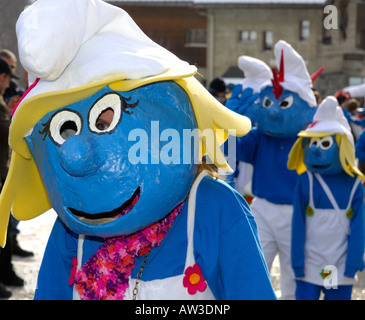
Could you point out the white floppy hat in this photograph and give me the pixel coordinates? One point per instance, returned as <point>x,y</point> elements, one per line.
<point>69,43</point>
<point>256,72</point>
<point>329,118</point>
<point>356,91</point>
<point>293,74</point>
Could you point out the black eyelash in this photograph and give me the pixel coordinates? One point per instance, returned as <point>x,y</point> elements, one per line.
<point>45,131</point>
<point>126,105</point>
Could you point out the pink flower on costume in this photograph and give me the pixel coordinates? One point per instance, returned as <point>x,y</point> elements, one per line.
<point>194,279</point>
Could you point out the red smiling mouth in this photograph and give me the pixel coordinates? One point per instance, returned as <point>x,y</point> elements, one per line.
<point>106,217</point>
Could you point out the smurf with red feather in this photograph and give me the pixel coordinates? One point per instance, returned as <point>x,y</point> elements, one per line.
<point>285,106</point>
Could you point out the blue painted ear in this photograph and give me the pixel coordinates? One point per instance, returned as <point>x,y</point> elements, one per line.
<point>112,177</point>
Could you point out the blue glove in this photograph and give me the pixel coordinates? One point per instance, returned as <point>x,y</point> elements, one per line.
<point>240,101</point>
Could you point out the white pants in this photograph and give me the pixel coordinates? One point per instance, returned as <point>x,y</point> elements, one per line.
<point>274,228</point>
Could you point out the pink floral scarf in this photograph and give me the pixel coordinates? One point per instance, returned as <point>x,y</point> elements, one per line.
<point>105,275</point>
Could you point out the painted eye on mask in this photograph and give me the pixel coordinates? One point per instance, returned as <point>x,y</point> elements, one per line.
<point>287,102</point>
<point>323,143</point>
<point>267,102</point>
<point>64,124</point>
<point>105,114</point>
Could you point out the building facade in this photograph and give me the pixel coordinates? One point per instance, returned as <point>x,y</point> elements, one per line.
<point>325,33</point>
<point>212,34</point>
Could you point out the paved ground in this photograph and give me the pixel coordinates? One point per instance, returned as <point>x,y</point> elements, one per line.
<point>34,235</point>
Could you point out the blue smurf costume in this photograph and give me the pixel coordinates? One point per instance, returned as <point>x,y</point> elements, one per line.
<point>244,100</point>
<point>98,137</point>
<point>286,105</point>
<point>328,219</point>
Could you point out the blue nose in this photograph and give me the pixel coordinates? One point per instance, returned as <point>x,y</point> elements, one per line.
<point>315,150</point>
<point>274,113</point>
<point>78,156</point>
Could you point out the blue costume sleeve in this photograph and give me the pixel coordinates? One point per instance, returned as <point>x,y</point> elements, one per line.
<point>300,202</point>
<point>246,146</point>
<point>356,241</point>
<point>226,244</point>
<point>56,265</point>
<point>271,179</point>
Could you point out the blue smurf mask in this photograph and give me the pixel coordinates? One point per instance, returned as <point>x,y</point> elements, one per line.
<point>322,155</point>
<point>116,162</point>
<point>283,117</point>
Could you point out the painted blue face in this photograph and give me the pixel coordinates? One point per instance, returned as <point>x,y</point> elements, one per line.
<point>283,117</point>
<point>322,155</point>
<point>116,161</point>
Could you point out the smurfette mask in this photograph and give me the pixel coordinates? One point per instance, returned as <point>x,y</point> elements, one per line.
<point>106,179</point>
<point>322,155</point>
<point>327,145</point>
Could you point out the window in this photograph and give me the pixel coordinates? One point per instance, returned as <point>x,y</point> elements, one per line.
<point>268,40</point>
<point>248,36</point>
<point>196,38</point>
<point>304,30</point>
<point>360,38</point>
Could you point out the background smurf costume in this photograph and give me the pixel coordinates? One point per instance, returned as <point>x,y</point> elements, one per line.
<point>243,100</point>
<point>328,219</point>
<point>72,134</point>
<point>286,106</point>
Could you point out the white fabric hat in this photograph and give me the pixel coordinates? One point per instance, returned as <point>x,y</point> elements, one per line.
<point>329,118</point>
<point>356,91</point>
<point>296,76</point>
<point>293,69</point>
<point>71,43</point>
<point>256,72</point>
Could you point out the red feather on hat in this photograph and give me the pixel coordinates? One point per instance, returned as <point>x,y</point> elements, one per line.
<point>277,88</point>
